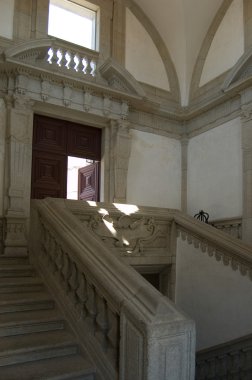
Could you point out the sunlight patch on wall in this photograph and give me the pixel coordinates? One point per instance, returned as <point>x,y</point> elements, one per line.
<point>142,58</point>
<point>227,45</point>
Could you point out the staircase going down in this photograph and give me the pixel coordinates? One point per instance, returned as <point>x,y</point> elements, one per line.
<point>36,341</point>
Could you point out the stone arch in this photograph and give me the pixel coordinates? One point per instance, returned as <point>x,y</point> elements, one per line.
<point>198,68</point>
<point>160,45</point>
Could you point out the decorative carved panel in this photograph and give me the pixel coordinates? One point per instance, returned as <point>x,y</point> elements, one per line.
<point>125,232</point>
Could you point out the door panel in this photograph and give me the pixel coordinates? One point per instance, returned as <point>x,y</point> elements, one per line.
<point>83,141</point>
<point>88,183</point>
<point>49,175</point>
<point>49,135</point>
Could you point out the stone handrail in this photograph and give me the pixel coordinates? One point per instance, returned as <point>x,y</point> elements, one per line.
<point>233,359</point>
<point>229,249</point>
<point>223,247</point>
<point>130,329</point>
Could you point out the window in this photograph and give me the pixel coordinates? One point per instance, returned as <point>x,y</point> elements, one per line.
<point>73,22</point>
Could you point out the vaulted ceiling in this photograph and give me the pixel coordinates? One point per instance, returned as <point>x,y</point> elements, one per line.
<point>182,25</point>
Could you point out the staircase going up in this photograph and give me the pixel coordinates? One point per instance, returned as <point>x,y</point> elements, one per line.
<point>36,342</point>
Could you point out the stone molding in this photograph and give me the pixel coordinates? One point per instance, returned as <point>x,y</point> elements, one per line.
<point>21,72</point>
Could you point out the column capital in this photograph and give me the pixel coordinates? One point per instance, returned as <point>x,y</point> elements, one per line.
<point>246,112</point>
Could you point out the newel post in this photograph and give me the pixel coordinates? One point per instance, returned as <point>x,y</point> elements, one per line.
<point>156,347</point>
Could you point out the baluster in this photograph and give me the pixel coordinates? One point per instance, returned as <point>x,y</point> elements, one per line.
<point>59,55</point>
<point>101,321</point>
<point>113,337</point>
<point>67,59</point>
<point>73,282</point>
<point>84,65</point>
<point>50,55</point>
<point>93,66</point>
<point>89,68</point>
<point>65,272</point>
<point>81,294</point>
<point>91,307</point>
<point>211,368</point>
<point>76,62</point>
<point>58,259</point>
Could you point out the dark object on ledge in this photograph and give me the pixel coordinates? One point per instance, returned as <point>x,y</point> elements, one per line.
<point>202,216</point>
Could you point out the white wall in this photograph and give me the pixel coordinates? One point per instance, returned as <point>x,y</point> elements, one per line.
<point>154,174</point>
<point>227,45</point>
<point>213,295</point>
<point>215,172</point>
<point>142,59</point>
<point>6,18</point>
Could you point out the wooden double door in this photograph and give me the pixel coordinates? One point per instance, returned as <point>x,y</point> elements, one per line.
<point>54,141</point>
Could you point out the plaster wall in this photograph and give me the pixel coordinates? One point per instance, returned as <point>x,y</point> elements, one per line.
<point>215,171</point>
<point>227,45</point>
<point>154,173</point>
<point>139,45</point>
<point>213,295</point>
<point>6,18</point>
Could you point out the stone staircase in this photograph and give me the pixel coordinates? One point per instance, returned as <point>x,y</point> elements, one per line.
<point>36,343</point>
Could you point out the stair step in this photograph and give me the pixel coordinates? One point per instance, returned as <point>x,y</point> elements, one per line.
<point>73,367</point>
<point>16,270</point>
<point>13,260</point>
<point>20,284</point>
<point>36,346</point>
<point>29,322</point>
<point>25,301</point>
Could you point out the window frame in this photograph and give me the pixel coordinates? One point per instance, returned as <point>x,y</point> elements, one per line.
<point>85,8</point>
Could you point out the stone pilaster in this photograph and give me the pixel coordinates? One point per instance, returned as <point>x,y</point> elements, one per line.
<point>247,12</point>
<point>2,152</point>
<point>120,148</point>
<point>118,43</point>
<point>184,155</point>
<point>18,173</point>
<point>247,172</point>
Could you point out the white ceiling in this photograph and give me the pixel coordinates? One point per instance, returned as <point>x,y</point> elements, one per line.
<point>182,24</point>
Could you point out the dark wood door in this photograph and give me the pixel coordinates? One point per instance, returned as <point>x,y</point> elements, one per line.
<point>53,141</point>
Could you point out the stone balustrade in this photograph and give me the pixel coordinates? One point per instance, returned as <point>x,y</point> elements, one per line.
<point>229,360</point>
<point>83,62</point>
<point>215,243</point>
<point>130,330</point>
<point>231,226</point>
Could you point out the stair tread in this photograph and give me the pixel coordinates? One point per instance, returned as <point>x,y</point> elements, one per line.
<point>30,317</point>
<point>24,298</point>
<point>16,267</point>
<point>16,344</point>
<point>9,281</point>
<point>65,368</point>
<point>13,260</point>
